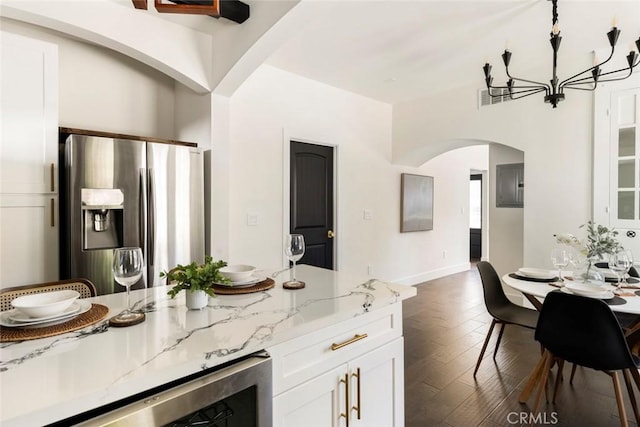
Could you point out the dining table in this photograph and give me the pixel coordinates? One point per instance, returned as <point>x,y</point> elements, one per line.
<point>625,302</point>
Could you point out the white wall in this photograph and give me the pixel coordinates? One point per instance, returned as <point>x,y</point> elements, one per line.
<point>557,144</point>
<point>273,104</point>
<point>104,90</point>
<point>506,225</point>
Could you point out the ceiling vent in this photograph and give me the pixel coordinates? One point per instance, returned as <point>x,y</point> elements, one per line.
<point>484,99</point>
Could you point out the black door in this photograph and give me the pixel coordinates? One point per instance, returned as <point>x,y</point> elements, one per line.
<point>311,205</point>
<point>475,209</point>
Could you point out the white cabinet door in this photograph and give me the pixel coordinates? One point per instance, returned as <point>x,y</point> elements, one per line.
<point>28,115</point>
<point>315,403</point>
<point>375,393</point>
<point>379,396</point>
<point>28,239</point>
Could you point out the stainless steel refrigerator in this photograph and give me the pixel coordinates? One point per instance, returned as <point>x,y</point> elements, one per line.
<point>118,193</point>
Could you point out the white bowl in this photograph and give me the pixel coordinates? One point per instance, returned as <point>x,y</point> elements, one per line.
<point>46,303</point>
<point>237,273</point>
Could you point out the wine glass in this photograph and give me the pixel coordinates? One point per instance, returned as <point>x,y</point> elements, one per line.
<point>620,263</point>
<point>128,265</point>
<point>560,259</point>
<point>294,250</point>
<point>626,273</point>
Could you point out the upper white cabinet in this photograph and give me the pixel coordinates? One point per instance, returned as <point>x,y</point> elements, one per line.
<point>28,161</point>
<point>28,115</point>
<point>624,194</point>
<point>616,159</point>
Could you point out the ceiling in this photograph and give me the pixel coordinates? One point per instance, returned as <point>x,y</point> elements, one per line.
<point>395,51</point>
<point>398,50</point>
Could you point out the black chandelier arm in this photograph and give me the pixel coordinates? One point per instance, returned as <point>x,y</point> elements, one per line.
<point>518,89</point>
<point>589,80</point>
<point>527,81</point>
<point>589,89</point>
<point>526,92</point>
<point>571,79</point>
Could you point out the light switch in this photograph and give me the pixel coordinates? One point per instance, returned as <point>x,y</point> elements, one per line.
<point>367,214</point>
<point>252,218</point>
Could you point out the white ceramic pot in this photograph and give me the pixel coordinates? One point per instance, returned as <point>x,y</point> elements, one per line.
<point>196,300</point>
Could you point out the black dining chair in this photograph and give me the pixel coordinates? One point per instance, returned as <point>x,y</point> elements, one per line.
<point>585,332</point>
<point>503,311</point>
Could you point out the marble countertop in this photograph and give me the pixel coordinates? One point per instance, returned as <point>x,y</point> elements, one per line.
<point>50,379</point>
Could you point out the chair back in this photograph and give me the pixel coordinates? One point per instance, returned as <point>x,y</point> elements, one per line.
<point>583,331</point>
<point>83,286</point>
<point>494,296</point>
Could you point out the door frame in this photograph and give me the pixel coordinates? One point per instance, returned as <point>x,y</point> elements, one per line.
<point>287,137</point>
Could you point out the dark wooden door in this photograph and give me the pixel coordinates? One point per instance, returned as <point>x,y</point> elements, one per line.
<point>475,229</point>
<point>311,205</point>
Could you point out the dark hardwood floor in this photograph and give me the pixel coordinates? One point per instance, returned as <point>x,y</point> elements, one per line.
<point>444,327</point>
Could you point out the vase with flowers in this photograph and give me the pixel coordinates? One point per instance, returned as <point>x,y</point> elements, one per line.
<point>600,241</point>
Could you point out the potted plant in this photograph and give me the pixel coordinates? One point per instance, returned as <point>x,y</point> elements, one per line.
<point>197,279</point>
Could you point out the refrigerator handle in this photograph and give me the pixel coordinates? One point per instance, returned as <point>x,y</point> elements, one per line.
<point>141,213</point>
<point>152,217</point>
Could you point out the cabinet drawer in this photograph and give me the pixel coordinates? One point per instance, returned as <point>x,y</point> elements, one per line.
<point>305,357</point>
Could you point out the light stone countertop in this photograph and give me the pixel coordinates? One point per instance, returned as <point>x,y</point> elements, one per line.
<point>50,379</point>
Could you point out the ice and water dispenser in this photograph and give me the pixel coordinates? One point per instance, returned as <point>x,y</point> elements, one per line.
<point>102,218</point>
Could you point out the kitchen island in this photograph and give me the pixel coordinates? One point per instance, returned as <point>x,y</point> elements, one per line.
<point>47,380</point>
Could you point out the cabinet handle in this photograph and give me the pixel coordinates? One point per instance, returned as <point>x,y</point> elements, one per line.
<point>53,212</point>
<point>355,338</point>
<point>357,407</point>
<point>345,414</point>
<point>53,177</point>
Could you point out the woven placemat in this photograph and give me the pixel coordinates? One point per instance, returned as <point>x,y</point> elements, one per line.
<point>258,287</point>
<point>96,313</point>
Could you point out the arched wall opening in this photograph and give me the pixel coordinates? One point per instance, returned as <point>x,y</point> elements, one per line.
<point>503,231</point>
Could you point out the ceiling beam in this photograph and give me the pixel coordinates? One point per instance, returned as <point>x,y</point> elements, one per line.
<point>233,10</point>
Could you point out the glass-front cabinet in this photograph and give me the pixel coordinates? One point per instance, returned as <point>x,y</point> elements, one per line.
<point>625,160</point>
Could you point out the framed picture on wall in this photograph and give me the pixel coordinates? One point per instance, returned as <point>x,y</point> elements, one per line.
<point>416,203</point>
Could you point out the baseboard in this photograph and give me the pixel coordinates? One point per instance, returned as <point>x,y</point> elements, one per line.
<point>433,274</point>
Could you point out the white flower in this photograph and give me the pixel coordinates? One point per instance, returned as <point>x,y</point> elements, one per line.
<point>572,241</point>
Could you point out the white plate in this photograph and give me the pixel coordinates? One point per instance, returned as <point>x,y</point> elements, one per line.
<point>591,291</point>
<point>251,282</point>
<point>536,273</point>
<point>78,307</point>
<point>21,317</point>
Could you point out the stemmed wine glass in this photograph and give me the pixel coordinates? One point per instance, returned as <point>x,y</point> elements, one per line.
<point>560,259</point>
<point>128,265</point>
<point>294,250</point>
<point>620,263</point>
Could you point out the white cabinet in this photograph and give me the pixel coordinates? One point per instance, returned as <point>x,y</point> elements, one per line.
<point>28,160</point>
<point>354,369</point>
<point>28,239</point>
<point>381,391</point>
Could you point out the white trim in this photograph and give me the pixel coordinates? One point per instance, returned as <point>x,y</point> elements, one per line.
<point>433,274</point>
<point>287,137</point>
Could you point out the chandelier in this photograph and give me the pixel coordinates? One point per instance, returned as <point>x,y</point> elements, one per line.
<point>554,90</point>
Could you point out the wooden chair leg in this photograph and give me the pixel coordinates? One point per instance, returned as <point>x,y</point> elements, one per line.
<point>533,380</point>
<point>636,377</point>
<point>542,384</point>
<point>558,379</point>
<point>484,346</point>
<point>619,399</point>
<point>632,395</point>
<point>573,372</point>
<point>495,351</point>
